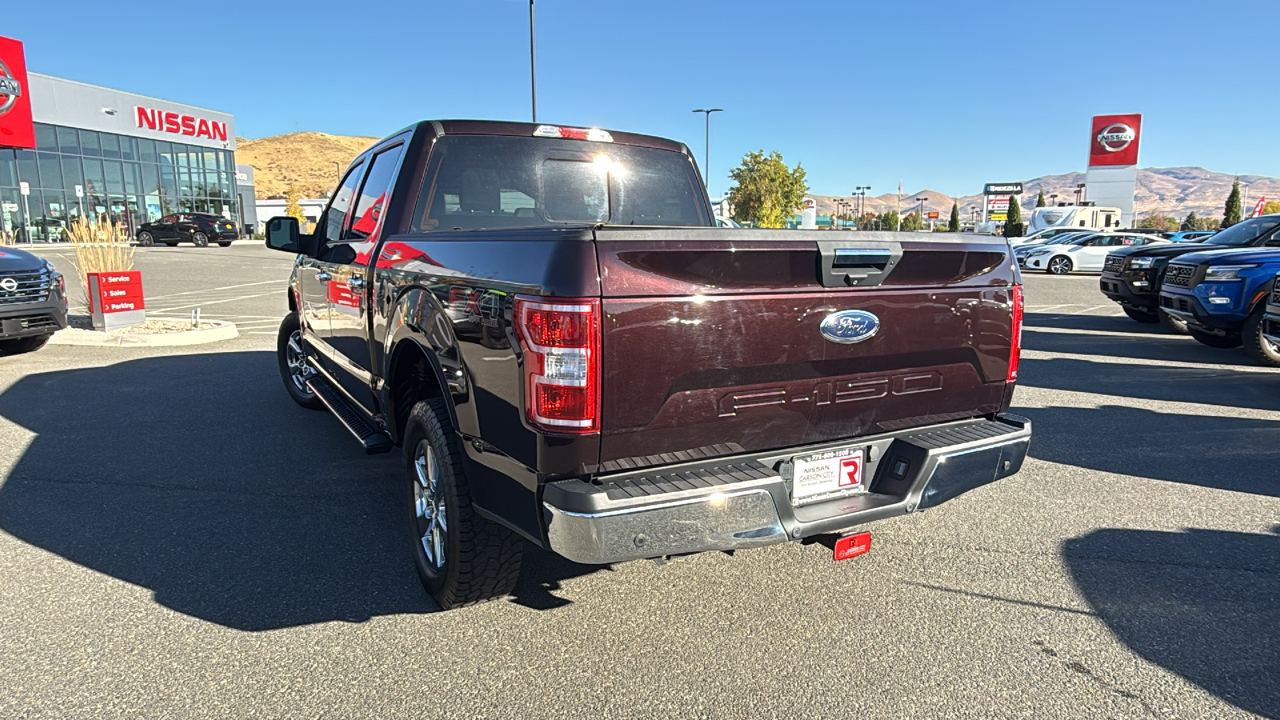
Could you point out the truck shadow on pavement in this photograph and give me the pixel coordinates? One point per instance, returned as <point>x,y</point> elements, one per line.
<point>1230,452</point>
<point>1199,603</point>
<point>194,476</point>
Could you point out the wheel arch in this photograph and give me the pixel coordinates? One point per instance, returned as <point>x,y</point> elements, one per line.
<point>412,375</point>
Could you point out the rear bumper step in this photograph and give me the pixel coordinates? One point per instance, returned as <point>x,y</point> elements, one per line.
<point>743,502</point>
<point>373,439</point>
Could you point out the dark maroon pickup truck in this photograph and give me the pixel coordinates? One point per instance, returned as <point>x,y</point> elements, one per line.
<point>570,354</point>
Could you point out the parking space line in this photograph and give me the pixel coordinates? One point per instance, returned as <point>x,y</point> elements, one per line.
<point>1179,364</point>
<point>207,290</point>
<point>214,302</point>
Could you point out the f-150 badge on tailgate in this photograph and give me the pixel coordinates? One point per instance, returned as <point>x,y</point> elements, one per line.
<point>849,326</point>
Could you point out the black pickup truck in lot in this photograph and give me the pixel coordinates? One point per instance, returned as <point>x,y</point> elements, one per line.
<point>571,354</point>
<point>33,301</point>
<point>1133,276</point>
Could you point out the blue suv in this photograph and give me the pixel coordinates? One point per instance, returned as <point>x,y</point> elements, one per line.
<point>1222,296</point>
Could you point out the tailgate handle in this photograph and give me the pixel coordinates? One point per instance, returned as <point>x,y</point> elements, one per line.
<point>857,263</point>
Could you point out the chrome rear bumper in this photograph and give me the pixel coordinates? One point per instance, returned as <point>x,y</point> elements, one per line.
<point>745,501</point>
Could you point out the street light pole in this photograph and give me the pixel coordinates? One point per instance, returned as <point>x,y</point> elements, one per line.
<point>533,66</point>
<point>706,152</point>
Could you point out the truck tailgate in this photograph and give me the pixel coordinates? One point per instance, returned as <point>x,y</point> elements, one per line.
<point>712,342</point>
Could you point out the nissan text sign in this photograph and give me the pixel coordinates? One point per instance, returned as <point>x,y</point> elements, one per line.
<point>1114,140</point>
<point>16,129</point>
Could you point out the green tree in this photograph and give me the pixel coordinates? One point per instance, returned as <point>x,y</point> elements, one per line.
<point>1040,199</point>
<point>887,220</point>
<point>1271,208</point>
<point>291,206</point>
<point>766,193</point>
<point>953,225</point>
<point>1231,216</point>
<point>1190,222</point>
<point>1013,224</point>
<point>911,223</point>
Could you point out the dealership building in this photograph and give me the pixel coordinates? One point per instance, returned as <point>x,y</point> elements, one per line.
<point>111,155</point>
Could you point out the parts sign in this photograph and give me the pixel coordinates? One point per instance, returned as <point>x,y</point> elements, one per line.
<point>16,128</point>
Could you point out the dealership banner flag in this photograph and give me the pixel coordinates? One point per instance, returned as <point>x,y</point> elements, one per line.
<point>1257,209</point>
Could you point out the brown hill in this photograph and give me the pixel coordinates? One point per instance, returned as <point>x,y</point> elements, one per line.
<point>304,160</point>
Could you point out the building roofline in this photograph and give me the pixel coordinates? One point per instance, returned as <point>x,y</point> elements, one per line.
<point>130,92</point>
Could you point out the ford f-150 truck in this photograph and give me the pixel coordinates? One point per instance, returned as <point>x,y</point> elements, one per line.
<point>1133,276</point>
<point>33,301</point>
<point>569,352</point>
<point>1222,296</point>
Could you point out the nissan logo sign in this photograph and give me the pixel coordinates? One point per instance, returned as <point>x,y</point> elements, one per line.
<point>1116,137</point>
<point>10,90</point>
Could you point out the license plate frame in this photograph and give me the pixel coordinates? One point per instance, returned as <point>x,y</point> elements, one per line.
<point>826,475</point>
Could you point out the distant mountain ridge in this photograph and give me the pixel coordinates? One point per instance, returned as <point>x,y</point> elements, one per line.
<point>1171,191</point>
<point>306,160</point>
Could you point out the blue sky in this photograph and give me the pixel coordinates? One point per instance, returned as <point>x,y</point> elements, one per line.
<point>860,93</point>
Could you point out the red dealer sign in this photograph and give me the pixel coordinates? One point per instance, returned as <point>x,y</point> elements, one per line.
<point>1114,140</point>
<point>16,130</point>
<point>172,122</point>
<point>115,299</point>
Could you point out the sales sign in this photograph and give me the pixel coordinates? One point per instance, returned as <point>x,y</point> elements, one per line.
<point>16,128</point>
<point>115,299</point>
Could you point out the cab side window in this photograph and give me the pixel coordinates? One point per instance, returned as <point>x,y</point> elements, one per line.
<point>335,217</point>
<point>373,195</point>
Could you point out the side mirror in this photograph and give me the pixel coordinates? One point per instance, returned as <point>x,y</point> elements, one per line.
<point>283,235</point>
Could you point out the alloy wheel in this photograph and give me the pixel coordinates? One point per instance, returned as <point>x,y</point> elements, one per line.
<point>429,505</point>
<point>1059,266</point>
<point>297,362</point>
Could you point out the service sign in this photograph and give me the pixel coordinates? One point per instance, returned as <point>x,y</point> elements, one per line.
<point>16,128</point>
<point>115,299</point>
<point>1114,140</point>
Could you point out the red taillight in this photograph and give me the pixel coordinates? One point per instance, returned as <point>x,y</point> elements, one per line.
<point>1015,344</point>
<point>592,134</point>
<point>560,339</point>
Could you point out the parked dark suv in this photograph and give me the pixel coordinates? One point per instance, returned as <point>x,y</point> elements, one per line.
<point>33,301</point>
<point>198,228</point>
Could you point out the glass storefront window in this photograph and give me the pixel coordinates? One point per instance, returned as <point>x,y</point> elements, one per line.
<point>146,150</point>
<point>27,171</point>
<point>111,146</point>
<point>71,173</point>
<point>150,179</point>
<point>115,177</point>
<point>8,169</point>
<point>94,181</point>
<point>50,171</point>
<point>68,141</point>
<point>132,177</point>
<point>53,215</point>
<point>128,148</point>
<point>90,144</point>
<point>46,137</point>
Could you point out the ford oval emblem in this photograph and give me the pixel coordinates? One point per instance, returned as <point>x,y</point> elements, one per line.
<point>849,326</point>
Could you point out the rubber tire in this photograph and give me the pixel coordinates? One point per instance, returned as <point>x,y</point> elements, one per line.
<point>1048,266</point>
<point>482,558</point>
<point>1221,342</point>
<point>1258,347</point>
<point>1174,325</point>
<point>18,346</point>
<point>1140,316</point>
<point>224,244</point>
<point>200,239</point>
<point>146,239</point>
<point>289,326</point>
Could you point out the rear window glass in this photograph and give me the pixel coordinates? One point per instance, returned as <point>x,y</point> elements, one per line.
<point>500,182</point>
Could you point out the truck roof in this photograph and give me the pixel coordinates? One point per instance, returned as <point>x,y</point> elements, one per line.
<point>527,129</point>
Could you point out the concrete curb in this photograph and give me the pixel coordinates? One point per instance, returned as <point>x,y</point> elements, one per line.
<point>222,330</point>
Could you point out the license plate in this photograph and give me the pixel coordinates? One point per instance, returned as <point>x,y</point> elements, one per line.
<point>826,475</point>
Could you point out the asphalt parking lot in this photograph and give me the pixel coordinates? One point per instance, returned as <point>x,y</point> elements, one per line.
<point>179,539</point>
